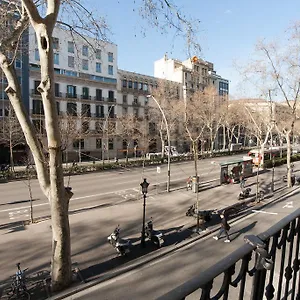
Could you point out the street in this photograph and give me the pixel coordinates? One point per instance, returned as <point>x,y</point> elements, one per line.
<point>103,200</point>
<point>98,189</point>
<point>159,277</point>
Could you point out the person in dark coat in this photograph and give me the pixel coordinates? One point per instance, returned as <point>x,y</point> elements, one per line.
<point>225,227</point>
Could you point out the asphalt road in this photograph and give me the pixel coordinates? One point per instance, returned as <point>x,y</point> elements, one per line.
<point>162,275</point>
<point>100,189</point>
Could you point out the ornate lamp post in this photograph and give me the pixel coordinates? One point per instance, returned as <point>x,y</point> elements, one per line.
<point>273,171</point>
<point>144,186</point>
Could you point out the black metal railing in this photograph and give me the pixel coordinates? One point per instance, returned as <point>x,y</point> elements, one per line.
<point>271,273</point>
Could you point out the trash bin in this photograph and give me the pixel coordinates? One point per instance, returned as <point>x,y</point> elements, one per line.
<point>195,183</point>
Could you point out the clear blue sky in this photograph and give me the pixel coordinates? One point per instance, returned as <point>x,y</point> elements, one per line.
<point>228,32</point>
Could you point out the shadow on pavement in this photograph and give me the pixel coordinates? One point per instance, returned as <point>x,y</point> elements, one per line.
<point>18,202</point>
<point>236,234</point>
<point>175,235</point>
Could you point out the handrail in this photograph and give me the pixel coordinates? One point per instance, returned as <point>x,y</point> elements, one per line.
<point>208,275</point>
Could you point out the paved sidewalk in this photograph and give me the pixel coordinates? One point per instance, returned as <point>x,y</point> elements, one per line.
<point>31,245</point>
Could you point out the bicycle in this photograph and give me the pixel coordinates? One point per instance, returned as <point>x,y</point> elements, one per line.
<point>18,289</point>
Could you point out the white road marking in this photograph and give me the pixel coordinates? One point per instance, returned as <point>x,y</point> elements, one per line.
<point>288,205</point>
<point>264,212</point>
<point>79,198</point>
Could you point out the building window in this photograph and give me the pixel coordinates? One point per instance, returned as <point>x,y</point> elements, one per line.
<point>71,91</point>
<point>36,85</point>
<point>110,57</point>
<point>71,61</point>
<point>99,111</point>
<point>85,50</point>
<point>124,99</point>
<point>99,95</point>
<point>135,85</point>
<point>85,127</point>
<point>110,70</point>
<point>56,58</point>
<point>56,90</point>
<point>111,95</point>
<point>145,87</point>
<point>124,83</point>
<point>135,100</point>
<point>37,107</point>
<point>58,107</point>
<point>77,143</point>
<point>18,63</point>
<point>86,110</point>
<point>99,127</point>
<point>98,67</point>
<point>136,112</point>
<point>98,53</point>
<point>85,93</point>
<point>39,126</point>
<point>72,109</point>
<point>55,42</point>
<point>36,54</point>
<point>98,143</point>
<point>85,64</point>
<point>140,86</point>
<point>110,144</point>
<point>70,47</point>
<point>111,110</point>
<point>125,111</point>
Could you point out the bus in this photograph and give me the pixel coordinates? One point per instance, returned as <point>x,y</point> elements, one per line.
<point>268,153</point>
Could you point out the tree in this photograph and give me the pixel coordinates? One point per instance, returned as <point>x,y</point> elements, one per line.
<point>277,69</point>
<point>234,122</point>
<point>43,16</point>
<point>128,128</point>
<point>212,112</point>
<point>11,133</point>
<point>194,127</point>
<point>167,97</point>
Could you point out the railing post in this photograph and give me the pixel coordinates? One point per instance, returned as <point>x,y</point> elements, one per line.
<point>262,264</point>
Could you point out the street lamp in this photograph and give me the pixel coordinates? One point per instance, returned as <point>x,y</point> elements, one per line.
<point>273,171</point>
<point>169,144</point>
<point>103,134</point>
<point>144,186</point>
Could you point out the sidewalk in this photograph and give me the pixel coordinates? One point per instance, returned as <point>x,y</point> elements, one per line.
<point>31,245</point>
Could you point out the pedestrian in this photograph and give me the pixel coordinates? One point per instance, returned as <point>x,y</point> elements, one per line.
<point>242,181</point>
<point>189,183</point>
<point>225,227</point>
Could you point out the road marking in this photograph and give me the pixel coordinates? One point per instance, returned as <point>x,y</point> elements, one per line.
<point>264,212</point>
<point>288,205</point>
<point>83,197</point>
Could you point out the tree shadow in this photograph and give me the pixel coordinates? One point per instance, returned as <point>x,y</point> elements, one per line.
<point>234,235</point>
<point>19,202</point>
<point>175,236</point>
<point>14,226</point>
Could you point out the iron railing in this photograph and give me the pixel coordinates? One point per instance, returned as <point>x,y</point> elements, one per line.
<point>271,273</point>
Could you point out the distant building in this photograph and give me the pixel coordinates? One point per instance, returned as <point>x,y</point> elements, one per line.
<point>221,84</point>
<point>85,88</point>
<point>193,74</point>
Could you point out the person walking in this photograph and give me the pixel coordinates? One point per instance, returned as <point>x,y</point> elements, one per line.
<point>225,227</point>
<point>242,182</point>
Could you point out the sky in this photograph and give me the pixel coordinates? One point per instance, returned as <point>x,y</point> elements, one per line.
<point>228,32</point>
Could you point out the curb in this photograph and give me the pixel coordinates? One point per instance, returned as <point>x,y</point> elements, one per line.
<point>156,255</point>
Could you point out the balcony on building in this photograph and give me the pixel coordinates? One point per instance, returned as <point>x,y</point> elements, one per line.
<point>136,103</point>
<point>97,98</point>
<point>86,97</point>
<point>71,96</point>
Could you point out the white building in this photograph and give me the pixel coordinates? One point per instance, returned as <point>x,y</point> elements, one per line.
<point>86,85</point>
<point>194,74</point>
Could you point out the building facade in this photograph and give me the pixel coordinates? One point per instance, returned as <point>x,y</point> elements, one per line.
<point>85,92</point>
<point>193,74</point>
